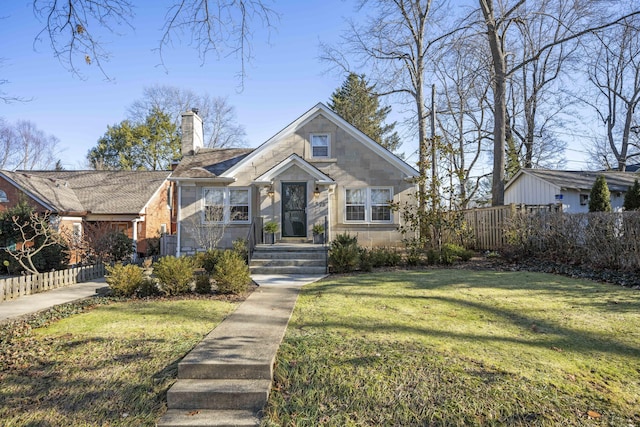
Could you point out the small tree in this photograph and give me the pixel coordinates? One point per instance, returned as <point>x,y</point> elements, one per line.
<point>600,198</point>
<point>632,198</point>
<point>33,235</point>
<point>207,235</point>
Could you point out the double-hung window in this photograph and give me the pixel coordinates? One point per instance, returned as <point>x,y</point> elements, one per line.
<point>320,145</point>
<point>369,204</point>
<point>225,204</point>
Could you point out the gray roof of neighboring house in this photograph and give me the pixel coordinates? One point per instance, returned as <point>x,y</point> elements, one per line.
<point>583,180</point>
<point>98,192</point>
<point>209,162</point>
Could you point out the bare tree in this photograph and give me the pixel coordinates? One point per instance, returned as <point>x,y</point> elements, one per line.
<point>36,234</point>
<point>395,43</point>
<point>221,129</point>
<point>24,146</point>
<point>207,234</point>
<point>75,29</point>
<point>464,112</point>
<point>498,19</point>
<point>614,72</point>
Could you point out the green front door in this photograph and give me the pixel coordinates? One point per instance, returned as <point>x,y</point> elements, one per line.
<point>294,209</point>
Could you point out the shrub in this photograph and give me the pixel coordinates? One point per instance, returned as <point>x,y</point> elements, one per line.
<point>241,247</point>
<point>366,259</point>
<point>451,253</point>
<point>147,288</point>
<point>385,257</point>
<point>231,273</point>
<point>174,274</point>
<point>208,259</point>
<point>414,252</point>
<point>344,254</point>
<point>203,284</point>
<point>124,280</point>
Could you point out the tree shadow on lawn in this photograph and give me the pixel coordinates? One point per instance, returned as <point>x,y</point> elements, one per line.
<point>89,391</point>
<point>546,334</point>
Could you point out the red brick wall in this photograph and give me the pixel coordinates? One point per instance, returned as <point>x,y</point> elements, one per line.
<point>156,214</point>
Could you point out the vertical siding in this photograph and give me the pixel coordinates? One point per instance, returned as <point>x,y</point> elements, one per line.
<point>530,190</point>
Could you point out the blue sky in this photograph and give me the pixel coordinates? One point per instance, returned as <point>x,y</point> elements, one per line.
<point>284,79</point>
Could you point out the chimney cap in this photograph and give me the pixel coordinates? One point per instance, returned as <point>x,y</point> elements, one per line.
<point>195,110</point>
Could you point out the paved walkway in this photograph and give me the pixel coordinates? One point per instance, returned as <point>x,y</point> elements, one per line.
<point>28,304</point>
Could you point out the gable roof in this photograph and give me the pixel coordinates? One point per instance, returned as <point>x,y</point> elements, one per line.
<point>359,136</point>
<point>98,192</point>
<point>295,160</point>
<point>209,163</point>
<point>53,195</point>
<point>579,180</point>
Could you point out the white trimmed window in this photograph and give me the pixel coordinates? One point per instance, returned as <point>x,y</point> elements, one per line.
<point>225,204</point>
<point>369,204</point>
<point>320,143</point>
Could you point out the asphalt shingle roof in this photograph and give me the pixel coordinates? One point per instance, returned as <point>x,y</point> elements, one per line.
<point>209,162</point>
<point>99,192</point>
<point>584,180</point>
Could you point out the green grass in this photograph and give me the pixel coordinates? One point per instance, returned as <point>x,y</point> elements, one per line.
<point>457,348</point>
<point>111,365</point>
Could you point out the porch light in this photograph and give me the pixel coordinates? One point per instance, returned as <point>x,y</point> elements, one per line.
<point>316,192</point>
<point>270,191</point>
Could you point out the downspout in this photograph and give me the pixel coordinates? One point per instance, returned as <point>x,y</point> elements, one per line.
<point>179,220</point>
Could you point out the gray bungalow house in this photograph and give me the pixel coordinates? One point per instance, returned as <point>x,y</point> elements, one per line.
<point>571,189</point>
<point>319,169</point>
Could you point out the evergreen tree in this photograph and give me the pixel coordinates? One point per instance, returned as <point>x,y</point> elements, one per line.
<point>632,198</point>
<point>129,146</point>
<point>600,198</point>
<point>356,102</point>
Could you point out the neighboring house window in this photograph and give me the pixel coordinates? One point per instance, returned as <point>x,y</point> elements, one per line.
<point>226,204</point>
<point>320,145</point>
<point>3,197</point>
<point>368,204</point>
<point>584,199</point>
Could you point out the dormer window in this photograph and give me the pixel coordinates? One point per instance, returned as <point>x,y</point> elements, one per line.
<point>320,145</point>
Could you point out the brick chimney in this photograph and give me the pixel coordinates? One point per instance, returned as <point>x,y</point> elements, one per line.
<point>192,132</point>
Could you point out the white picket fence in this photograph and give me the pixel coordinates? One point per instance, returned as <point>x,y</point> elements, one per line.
<point>14,287</point>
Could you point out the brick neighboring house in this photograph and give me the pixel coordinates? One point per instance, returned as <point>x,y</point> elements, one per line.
<point>138,203</point>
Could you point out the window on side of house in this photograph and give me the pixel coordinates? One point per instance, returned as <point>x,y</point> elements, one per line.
<point>320,145</point>
<point>584,199</point>
<point>368,205</point>
<point>224,205</point>
<point>77,233</point>
<point>3,197</point>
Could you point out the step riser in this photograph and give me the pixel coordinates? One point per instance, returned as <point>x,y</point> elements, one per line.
<point>253,401</point>
<point>287,270</point>
<point>288,255</point>
<point>208,418</point>
<point>221,372</point>
<point>287,262</point>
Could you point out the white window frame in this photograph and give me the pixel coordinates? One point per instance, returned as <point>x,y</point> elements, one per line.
<point>226,205</point>
<point>3,197</point>
<point>368,206</point>
<point>311,143</point>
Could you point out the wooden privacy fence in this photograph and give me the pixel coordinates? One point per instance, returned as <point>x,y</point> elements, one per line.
<point>488,224</point>
<point>14,287</point>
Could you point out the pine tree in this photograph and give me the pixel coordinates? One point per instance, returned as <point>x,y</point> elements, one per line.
<point>356,102</point>
<point>600,198</point>
<point>632,198</point>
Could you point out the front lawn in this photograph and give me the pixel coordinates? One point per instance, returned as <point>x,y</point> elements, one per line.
<point>110,366</point>
<point>456,347</point>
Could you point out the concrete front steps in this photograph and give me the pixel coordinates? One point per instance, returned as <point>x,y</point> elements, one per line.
<point>289,258</point>
<point>225,380</point>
